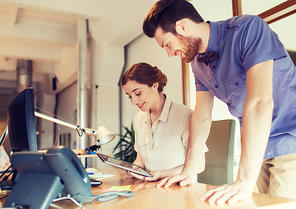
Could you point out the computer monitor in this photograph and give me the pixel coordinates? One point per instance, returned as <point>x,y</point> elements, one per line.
<point>21,128</point>
<point>21,122</point>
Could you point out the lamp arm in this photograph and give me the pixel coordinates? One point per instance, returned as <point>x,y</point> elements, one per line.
<point>87,131</point>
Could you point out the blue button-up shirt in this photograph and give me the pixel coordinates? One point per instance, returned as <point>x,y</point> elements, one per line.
<point>242,42</point>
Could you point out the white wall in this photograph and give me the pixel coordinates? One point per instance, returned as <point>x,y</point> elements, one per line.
<point>66,106</point>
<point>107,113</point>
<point>213,10</point>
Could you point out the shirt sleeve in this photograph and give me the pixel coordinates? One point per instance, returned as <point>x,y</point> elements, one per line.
<point>258,43</point>
<point>199,86</point>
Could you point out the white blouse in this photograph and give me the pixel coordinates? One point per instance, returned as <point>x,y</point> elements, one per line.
<point>163,146</point>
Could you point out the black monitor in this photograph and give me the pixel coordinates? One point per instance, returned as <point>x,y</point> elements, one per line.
<point>21,122</point>
<point>21,129</point>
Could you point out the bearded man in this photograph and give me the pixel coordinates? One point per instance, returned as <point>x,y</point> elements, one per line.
<point>242,62</point>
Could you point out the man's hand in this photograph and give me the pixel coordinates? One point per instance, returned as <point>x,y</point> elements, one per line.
<point>182,179</point>
<point>228,193</point>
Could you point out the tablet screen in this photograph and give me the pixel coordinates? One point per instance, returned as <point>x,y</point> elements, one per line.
<point>124,165</point>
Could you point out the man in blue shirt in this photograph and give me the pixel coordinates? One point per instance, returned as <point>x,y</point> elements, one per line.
<point>242,62</point>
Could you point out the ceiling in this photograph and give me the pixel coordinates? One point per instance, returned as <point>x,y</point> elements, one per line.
<point>47,33</point>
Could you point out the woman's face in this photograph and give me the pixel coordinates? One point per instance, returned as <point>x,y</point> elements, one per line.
<point>141,94</point>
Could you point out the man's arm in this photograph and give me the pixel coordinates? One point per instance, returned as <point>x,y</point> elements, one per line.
<point>198,133</point>
<point>170,172</point>
<point>256,124</point>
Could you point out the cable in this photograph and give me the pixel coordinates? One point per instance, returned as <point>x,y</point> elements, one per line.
<point>6,177</point>
<point>4,172</point>
<point>112,195</point>
<point>55,141</point>
<point>106,196</point>
<point>70,198</point>
<point>1,198</point>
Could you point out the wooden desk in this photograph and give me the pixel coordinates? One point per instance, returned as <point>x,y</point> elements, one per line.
<point>147,196</point>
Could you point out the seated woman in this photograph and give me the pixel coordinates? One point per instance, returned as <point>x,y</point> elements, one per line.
<point>161,126</point>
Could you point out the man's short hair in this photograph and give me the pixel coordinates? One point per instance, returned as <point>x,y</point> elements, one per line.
<point>165,13</point>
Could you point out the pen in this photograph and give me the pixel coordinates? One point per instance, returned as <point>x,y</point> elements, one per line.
<point>97,173</point>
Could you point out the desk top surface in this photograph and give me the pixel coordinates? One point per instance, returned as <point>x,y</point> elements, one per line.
<point>147,196</point>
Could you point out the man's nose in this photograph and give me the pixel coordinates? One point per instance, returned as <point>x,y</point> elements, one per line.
<point>170,53</point>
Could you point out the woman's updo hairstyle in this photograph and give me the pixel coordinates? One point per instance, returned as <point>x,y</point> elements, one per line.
<point>144,73</point>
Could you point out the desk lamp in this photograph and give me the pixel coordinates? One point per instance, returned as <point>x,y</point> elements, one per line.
<point>102,134</point>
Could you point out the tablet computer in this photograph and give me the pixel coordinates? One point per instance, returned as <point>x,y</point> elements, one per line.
<point>124,165</point>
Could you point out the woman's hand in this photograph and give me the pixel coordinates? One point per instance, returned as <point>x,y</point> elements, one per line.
<point>183,179</point>
<point>156,176</point>
<point>124,172</point>
<point>129,174</point>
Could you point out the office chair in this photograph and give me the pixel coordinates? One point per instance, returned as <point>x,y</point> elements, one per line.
<point>220,157</point>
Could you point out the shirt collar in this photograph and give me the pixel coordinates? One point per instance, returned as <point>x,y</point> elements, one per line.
<point>165,111</point>
<point>212,46</point>
<point>164,114</point>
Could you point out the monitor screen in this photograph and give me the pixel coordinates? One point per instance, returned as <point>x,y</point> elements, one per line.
<point>21,129</point>
<point>21,122</point>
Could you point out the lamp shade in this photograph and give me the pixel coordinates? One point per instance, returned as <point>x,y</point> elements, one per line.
<point>104,135</point>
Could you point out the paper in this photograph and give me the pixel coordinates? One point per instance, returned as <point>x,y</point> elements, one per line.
<point>100,176</point>
<point>119,188</point>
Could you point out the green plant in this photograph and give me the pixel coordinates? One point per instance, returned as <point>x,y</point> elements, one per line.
<point>126,145</point>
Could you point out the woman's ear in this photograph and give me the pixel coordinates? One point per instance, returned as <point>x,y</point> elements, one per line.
<point>155,86</point>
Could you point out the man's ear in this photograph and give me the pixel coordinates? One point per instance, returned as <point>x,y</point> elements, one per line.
<point>181,27</point>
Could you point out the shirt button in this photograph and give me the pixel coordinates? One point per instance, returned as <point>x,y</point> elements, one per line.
<point>237,83</point>
<point>216,86</point>
<point>228,104</point>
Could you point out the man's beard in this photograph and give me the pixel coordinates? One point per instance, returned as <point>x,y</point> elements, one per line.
<point>191,47</point>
